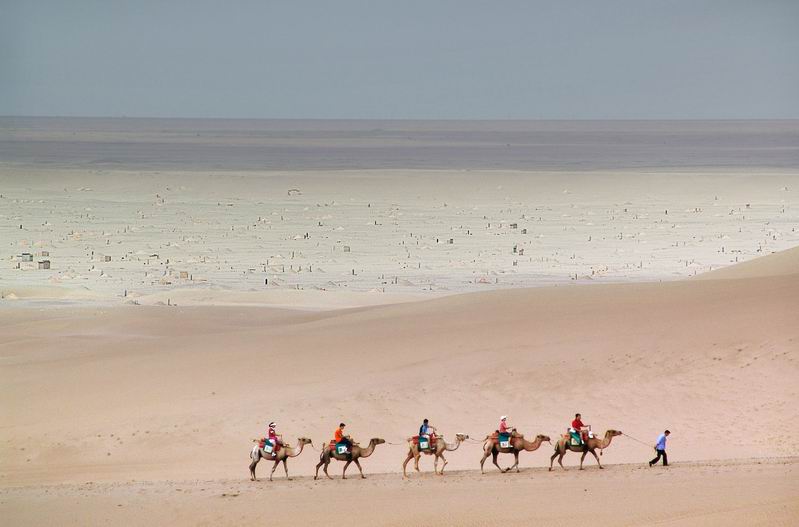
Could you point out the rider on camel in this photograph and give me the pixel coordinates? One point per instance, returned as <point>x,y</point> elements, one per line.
<point>578,429</point>
<point>504,427</point>
<point>273,437</point>
<point>340,438</point>
<point>427,432</point>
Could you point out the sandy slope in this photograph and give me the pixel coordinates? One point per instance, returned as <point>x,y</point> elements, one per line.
<point>159,393</point>
<point>784,263</point>
<point>751,493</point>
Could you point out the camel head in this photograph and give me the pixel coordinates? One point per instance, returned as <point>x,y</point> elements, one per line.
<point>543,438</point>
<point>305,441</point>
<point>461,437</point>
<point>613,433</point>
<point>377,441</point>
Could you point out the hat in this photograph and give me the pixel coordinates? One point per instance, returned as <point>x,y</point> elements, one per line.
<point>272,424</point>
<point>503,418</point>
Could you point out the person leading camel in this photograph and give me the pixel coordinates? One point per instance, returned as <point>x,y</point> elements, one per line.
<point>660,448</point>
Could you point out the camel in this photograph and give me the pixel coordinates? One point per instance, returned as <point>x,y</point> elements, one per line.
<point>283,454</point>
<point>356,452</point>
<point>590,445</point>
<point>441,446</point>
<point>518,443</point>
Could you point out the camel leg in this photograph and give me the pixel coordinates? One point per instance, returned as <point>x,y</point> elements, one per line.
<point>516,464</point>
<point>494,456</point>
<point>358,464</point>
<point>286,469</point>
<point>405,464</point>
<point>344,472</point>
<point>416,461</point>
<point>582,458</point>
<point>444,465</point>
<point>256,457</point>
<point>485,456</point>
<point>323,462</point>
<point>597,459</point>
<point>558,454</point>
<point>277,462</point>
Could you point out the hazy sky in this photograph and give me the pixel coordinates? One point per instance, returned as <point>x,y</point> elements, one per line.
<point>401,59</point>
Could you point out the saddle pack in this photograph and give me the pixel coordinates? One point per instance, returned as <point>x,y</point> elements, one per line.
<point>503,440</point>
<point>339,448</point>
<point>578,438</point>
<point>425,443</point>
<point>269,447</point>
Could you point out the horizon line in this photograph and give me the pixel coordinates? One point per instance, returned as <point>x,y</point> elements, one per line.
<point>450,119</point>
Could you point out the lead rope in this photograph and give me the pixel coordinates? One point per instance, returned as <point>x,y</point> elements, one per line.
<point>638,440</point>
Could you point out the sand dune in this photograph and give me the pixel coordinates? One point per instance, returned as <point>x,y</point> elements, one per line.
<point>163,394</point>
<point>778,264</point>
<point>178,392</point>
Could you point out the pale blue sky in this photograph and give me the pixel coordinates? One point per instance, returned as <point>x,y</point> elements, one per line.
<point>425,59</point>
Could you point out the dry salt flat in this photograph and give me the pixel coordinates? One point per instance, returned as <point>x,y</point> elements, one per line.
<point>397,234</point>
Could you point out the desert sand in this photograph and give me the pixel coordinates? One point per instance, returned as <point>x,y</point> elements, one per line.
<point>751,493</point>
<point>142,400</point>
<point>186,305</point>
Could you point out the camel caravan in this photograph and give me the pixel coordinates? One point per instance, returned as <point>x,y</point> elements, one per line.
<point>504,440</point>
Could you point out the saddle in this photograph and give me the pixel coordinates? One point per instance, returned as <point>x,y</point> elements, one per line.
<point>577,439</point>
<point>339,448</point>
<point>424,443</point>
<point>269,447</point>
<point>504,439</point>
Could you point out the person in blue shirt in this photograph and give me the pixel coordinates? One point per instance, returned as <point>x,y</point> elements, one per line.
<point>660,448</point>
<point>427,431</point>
